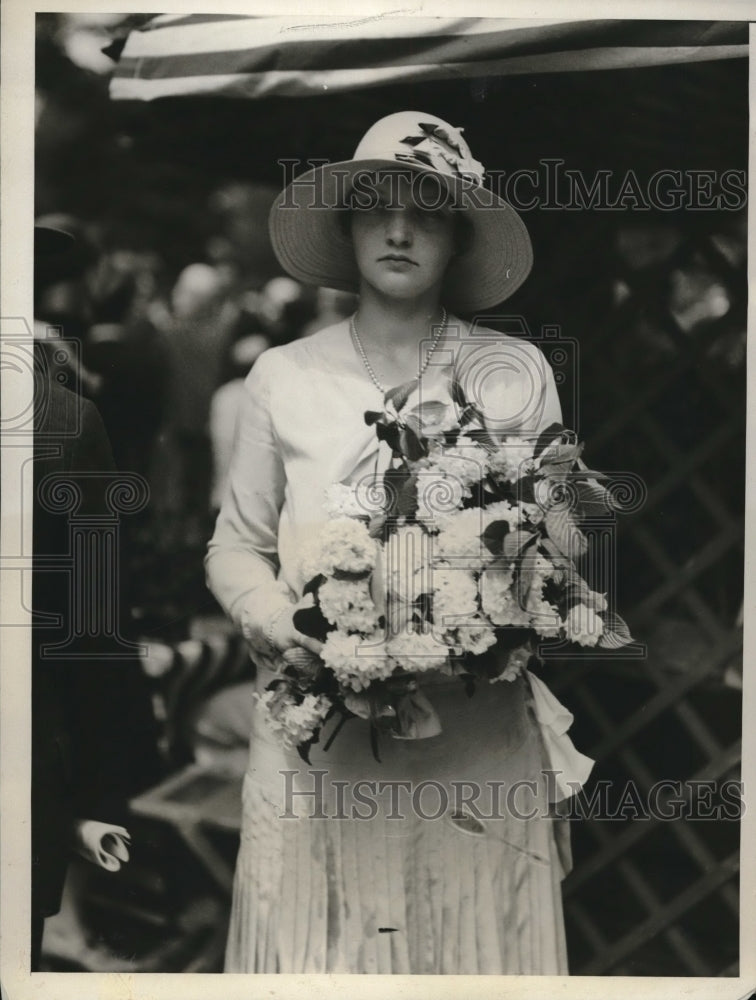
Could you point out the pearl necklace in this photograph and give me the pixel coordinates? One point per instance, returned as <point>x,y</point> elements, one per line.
<point>421,371</point>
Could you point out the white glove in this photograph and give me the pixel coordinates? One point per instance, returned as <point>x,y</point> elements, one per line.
<point>103,844</point>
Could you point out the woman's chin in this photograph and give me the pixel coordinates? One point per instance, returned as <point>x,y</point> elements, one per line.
<point>401,286</point>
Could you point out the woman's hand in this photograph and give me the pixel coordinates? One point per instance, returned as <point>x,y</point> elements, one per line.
<point>284,634</point>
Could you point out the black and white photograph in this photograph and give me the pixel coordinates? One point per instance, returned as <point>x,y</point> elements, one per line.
<point>375,493</point>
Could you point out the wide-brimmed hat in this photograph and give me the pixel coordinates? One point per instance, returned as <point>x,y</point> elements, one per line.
<point>315,248</point>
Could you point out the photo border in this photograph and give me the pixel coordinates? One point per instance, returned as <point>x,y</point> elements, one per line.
<point>17,215</point>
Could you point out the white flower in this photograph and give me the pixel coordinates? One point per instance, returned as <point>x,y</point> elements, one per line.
<point>417,651</point>
<point>437,495</point>
<point>583,625</point>
<point>343,501</point>
<point>597,601</point>
<point>293,723</point>
<point>455,593</point>
<point>517,661</point>
<point>465,465</point>
<point>406,563</point>
<point>356,661</point>
<point>544,617</point>
<point>342,544</point>
<point>532,512</point>
<point>460,534</point>
<point>497,599</point>
<point>502,510</point>
<point>348,604</point>
<point>510,673</point>
<point>513,459</point>
<point>475,639</point>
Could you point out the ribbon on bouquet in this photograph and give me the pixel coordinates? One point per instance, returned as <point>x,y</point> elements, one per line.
<point>571,768</point>
<point>416,718</point>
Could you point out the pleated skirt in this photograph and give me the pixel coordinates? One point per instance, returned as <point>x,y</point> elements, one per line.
<point>452,866</point>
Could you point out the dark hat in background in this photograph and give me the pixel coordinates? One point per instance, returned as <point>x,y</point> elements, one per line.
<point>61,250</point>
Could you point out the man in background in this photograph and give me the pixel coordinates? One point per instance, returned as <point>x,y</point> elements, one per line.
<point>93,732</point>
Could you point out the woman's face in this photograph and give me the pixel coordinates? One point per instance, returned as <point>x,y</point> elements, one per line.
<point>401,248</point>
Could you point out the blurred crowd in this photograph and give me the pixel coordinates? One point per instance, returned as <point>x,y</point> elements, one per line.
<point>164,356</point>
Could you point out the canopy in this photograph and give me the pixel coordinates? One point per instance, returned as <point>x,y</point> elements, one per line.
<point>254,57</point>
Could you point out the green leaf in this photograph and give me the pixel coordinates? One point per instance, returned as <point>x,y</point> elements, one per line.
<point>394,480</point>
<point>314,584</point>
<point>400,394</point>
<point>431,410</point>
<point>457,393</point>
<point>588,473</point>
<point>563,565</point>
<point>593,500</point>
<point>546,437</point>
<point>411,445</point>
<point>526,489</point>
<point>312,622</point>
<point>407,500</point>
<point>412,421</point>
<point>554,470</point>
<point>303,749</point>
<point>377,525</point>
<point>576,590</point>
<point>345,715</point>
<point>493,536</point>
<point>481,435</point>
<point>390,434</point>
<point>523,580</point>
<point>560,455</point>
<point>564,533</point>
<point>616,633</point>
<point>352,577</point>
<point>516,542</point>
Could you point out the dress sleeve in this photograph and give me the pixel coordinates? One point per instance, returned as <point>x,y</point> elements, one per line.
<point>549,410</point>
<point>513,386</point>
<point>242,558</point>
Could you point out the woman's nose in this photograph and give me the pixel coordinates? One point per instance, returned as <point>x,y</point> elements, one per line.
<point>398,228</point>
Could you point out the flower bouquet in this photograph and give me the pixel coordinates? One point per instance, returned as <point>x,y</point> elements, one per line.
<point>460,562</point>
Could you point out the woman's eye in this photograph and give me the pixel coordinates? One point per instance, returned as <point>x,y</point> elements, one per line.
<point>431,216</point>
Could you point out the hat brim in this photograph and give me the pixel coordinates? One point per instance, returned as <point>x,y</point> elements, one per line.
<point>52,243</point>
<point>313,247</point>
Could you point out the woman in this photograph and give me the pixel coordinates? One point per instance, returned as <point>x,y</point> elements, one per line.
<point>397,885</point>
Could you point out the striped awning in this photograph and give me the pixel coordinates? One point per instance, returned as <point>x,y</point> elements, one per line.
<point>240,56</point>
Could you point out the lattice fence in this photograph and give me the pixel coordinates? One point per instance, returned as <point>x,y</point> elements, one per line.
<point>660,896</point>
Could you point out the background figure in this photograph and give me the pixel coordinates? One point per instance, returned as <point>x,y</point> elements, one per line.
<point>64,277</point>
<point>93,733</point>
<point>203,316</point>
<point>286,307</point>
<point>331,305</point>
<point>128,353</point>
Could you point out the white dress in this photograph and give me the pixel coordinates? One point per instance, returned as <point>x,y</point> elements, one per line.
<point>393,881</point>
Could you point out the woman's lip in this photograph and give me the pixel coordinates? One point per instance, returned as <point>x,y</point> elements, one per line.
<point>397,259</point>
